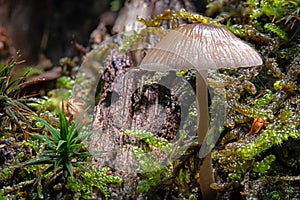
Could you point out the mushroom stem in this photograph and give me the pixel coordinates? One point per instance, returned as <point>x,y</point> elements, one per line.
<point>206,176</point>
<point>202,101</point>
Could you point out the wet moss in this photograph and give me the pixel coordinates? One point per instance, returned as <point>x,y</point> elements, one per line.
<point>270,92</point>
<point>246,163</point>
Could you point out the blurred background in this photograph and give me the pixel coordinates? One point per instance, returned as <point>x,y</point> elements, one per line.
<point>45,29</point>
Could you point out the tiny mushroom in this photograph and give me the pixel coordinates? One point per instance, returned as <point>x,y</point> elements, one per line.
<point>201,47</point>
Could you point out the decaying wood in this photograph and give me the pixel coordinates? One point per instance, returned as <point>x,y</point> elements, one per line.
<point>127,101</point>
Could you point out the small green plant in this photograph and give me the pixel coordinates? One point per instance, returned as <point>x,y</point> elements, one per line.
<point>64,148</point>
<point>14,111</point>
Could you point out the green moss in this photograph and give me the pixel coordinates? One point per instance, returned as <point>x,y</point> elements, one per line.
<point>264,100</point>
<point>264,166</point>
<point>274,32</point>
<point>86,184</point>
<point>65,82</point>
<point>279,84</point>
<point>272,9</point>
<point>150,169</point>
<point>6,174</point>
<point>253,112</point>
<point>271,27</point>
<point>274,134</point>
<point>150,139</point>
<point>115,5</point>
<point>238,30</point>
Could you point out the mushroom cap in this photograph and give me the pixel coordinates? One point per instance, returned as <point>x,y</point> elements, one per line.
<point>200,47</point>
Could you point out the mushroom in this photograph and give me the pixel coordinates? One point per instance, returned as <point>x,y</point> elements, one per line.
<point>201,47</point>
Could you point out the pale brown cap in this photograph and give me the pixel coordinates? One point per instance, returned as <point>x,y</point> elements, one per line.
<point>201,47</point>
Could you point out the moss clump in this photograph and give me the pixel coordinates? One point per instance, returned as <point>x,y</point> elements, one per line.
<point>88,183</point>
<point>249,164</point>
<point>264,166</point>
